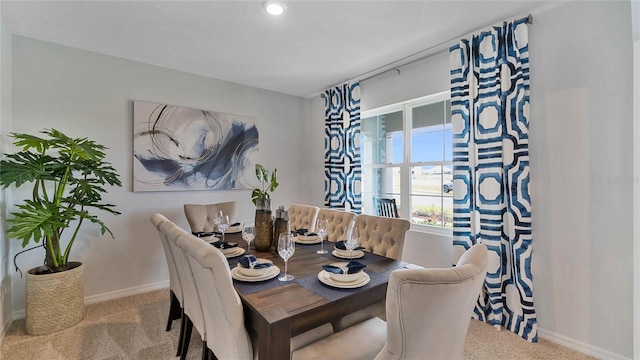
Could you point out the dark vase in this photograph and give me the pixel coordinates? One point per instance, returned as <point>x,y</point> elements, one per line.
<point>263,225</point>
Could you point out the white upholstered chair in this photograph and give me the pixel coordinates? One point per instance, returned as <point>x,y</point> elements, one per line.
<point>382,235</point>
<point>175,289</point>
<point>428,315</point>
<point>338,220</point>
<point>200,217</point>
<point>303,217</point>
<point>192,310</point>
<point>227,336</point>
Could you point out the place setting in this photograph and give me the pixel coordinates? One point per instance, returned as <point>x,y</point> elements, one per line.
<point>252,269</point>
<point>228,249</point>
<point>348,249</point>
<point>305,237</point>
<point>345,275</point>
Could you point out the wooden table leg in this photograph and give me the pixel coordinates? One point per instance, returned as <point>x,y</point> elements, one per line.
<point>274,335</point>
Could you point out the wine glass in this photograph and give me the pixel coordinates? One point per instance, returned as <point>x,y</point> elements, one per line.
<point>224,224</point>
<point>248,235</point>
<point>323,226</point>
<point>286,248</point>
<point>352,241</point>
<point>217,221</point>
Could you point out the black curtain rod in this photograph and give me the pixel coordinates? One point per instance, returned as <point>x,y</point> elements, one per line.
<point>433,50</point>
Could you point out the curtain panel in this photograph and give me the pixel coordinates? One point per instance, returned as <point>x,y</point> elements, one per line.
<point>491,202</point>
<point>342,165</point>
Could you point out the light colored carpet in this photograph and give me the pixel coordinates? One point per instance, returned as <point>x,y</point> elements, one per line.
<point>133,328</point>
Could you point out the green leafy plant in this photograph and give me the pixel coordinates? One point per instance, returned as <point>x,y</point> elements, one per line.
<point>68,176</point>
<point>267,183</point>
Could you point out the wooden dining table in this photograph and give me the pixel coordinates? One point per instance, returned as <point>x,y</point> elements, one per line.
<point>277,311</point>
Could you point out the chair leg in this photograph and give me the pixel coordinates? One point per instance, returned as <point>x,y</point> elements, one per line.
<point>175,311</point>
<point>205,351</point>
<point>181,336</point>
<point>188,328</point>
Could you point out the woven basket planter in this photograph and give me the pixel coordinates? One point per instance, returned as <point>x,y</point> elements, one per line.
<point>54,301</point>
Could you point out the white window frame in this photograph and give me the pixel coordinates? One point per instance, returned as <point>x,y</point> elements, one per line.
<point>406,164</point>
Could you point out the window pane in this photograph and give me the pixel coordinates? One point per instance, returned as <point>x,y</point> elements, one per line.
<point>427,137</point>
<point>426,145</point>
<point>382,139</point>
<point>426,210</point>
<point>380,182</point>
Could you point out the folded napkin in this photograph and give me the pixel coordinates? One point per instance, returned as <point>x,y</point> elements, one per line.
<point>235,224</point>
<point>224,244</point>
<point>203,233</point>
<point>352,268</point>
<point>340,245</point>
<point>302,231</point>
<point>246,261</point>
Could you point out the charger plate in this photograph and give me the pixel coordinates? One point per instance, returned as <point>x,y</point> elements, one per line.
<point>237,252</point>
<point>325,278</point>
<point>271,272</point>
<point>344,254</point>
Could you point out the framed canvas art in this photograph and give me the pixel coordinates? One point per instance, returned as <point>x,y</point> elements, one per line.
<point>180,148</point>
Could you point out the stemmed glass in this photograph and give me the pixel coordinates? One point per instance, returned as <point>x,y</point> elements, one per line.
<point>248,235</point>
<point>322,226</point>
<point>224,224</point>
<point>352,241</point>
<point>286,248</point>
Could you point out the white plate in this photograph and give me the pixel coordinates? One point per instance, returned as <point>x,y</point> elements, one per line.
<point>325,278</point>
<point>209,238</point>
<point>234,230</point>
<point>344,254</point>
<point>302,239</point>
<point>238,251</point>
<point>254,272</point>
<point>270,274</point>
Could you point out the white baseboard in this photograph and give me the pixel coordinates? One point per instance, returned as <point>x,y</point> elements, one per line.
<point>126,292</point>
<point>579,346</point>
<point>19,314</point>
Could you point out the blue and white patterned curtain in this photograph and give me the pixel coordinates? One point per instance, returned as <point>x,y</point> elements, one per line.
<point>490,120</point>
<point>342,167</point>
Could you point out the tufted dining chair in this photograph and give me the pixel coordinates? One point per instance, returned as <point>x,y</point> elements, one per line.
<point>192,314</point>
<point>200,217</point>
<point>338,220</point>
<point>175,289</point>
<point>428,313</point>
<point>382,235</point>
<point>227,337</point>
<point>303,217</point>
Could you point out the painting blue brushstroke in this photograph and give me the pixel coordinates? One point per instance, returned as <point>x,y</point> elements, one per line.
<point>179,148</point>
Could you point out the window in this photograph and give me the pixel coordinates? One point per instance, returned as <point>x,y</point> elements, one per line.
<point>407,155</point>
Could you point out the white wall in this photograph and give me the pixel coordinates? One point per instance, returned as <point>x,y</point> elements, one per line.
<point>88,94</point>
<point>5,119</point>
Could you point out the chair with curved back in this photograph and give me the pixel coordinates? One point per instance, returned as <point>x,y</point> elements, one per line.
<point>428,313</point>
<point>382,235</point>
<point>338,220</point>
<point>227,336</point>
<point>192,314</point>
<point>175,289</point>
<point>200,216</point>
<point>303,217</point>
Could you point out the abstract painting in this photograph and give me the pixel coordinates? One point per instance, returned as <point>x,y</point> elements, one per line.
<point>179,148</point>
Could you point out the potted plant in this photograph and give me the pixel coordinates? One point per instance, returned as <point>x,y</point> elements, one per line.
<point>68,177</point>
<point>262,199</point>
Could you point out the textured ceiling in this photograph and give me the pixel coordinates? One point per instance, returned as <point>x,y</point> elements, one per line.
<point>314,45</point>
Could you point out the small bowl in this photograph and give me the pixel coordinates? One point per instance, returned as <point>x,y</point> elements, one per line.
<point>345,277</point>
<point>254,272</point>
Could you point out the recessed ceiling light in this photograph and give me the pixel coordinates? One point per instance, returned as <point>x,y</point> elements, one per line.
<point>274,7</point>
